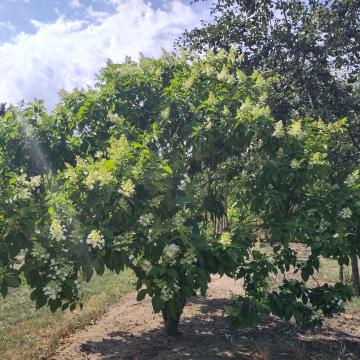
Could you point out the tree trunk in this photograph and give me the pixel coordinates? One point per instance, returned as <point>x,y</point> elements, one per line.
<point>341,273</point>
<point>355,274</point>
<point>171,323</point>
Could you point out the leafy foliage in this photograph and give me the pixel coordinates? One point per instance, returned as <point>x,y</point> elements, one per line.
<point>311,46</point>
<point>141,171</point>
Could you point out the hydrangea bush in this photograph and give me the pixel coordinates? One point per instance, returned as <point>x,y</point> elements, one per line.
<point>301,189</point>
<point>169,168</point>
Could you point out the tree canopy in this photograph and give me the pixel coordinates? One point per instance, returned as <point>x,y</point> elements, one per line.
<point>140,171</point>
<point>313,47</point>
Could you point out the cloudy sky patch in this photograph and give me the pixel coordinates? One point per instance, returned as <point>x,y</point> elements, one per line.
<point>63,47</point>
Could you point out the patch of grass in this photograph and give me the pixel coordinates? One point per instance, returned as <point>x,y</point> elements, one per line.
<point>329,270</point>
<point>353,307</point>
<point>30,334</point>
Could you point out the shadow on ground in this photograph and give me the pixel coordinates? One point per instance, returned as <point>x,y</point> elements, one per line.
<point>207,336</point>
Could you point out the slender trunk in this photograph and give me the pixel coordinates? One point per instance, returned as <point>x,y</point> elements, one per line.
<point>341,273</point>
<point>355,274</point>
<point>171,322</point>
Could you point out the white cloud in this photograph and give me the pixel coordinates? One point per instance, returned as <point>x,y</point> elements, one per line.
<point>96,15</point>
<point>66,54</point>
<point>8,25</point>
<point>75,4</point>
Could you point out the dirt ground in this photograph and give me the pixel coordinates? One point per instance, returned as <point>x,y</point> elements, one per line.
<point>131,331</point>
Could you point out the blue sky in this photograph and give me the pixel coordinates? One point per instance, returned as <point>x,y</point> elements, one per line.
<point>49,45</point>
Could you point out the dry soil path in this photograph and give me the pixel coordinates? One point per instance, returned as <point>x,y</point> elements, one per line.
<point>130,330</point>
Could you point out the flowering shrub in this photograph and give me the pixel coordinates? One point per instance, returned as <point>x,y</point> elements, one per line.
<point>161,154</point>
<point>299,189</point>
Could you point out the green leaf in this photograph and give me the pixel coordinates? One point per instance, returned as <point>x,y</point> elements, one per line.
<point>4,290</point>
<point>35,294</point>
<point>172,309</point>
<point>167,168</point>
<point>64,306</point>
<point>298,316</point>
<point>141,295</point>
<point>172,273</point>
<point>305,274</point>
<point>157,303</point>
<point>12,280</point>
<point>41,300</point>
<point>99,266</point>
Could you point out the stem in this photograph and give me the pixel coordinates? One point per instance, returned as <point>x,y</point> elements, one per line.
<point>355,274</point>
<point>341,273</point>
<point>171,322</point>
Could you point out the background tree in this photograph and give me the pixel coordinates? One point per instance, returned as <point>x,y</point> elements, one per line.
<point>2,109</point>
<point>312,47</point>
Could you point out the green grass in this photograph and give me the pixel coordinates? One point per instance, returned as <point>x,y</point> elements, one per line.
<point>329,270</point>
<point>27,333</point>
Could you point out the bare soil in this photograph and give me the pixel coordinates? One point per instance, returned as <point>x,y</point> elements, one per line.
<point>130,330</point>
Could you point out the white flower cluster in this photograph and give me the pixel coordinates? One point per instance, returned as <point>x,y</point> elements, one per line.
<point>209,70</point>
<point>167,293</point>
<point>212,99</point>
<point>345,213</point>
<point>323,226</point>
<point>118,148</point>
<point>170,253</point>
<point>57,230</point>
<point>188,83</point>
<point>279,131</point>
<point>189,257</point>
<point>59,271</point>
<point>123,242</point>
<point>146,266</point>
<point>152,236</point>
<point>114,118</point>
<point>225,111</point>
<point>353,178</point>
<point>23,194</point>
<point>99,154</point>
<point>127,188</point>
<point>177,221</point>
<point>70,173</point>
<point>225,239</point>
<point>165,113</point>
<point>295,164</point>
<point>296,130</point>
<point>35,182</point>
<point>39,252</point>
<point>98,175</point>
<point>156,201</point>
<point>24,188</point>
<point>52,290</point>
<point>318,158</point>
<point>225,76</point>
<point>146,220</point>
<point>96,240</point>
